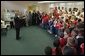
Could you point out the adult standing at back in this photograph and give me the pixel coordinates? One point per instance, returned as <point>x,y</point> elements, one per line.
<point>30,18</point>
<point>38,19</point>
<point>17,25</point>
<point>34,14</point>
<point>27,18</point>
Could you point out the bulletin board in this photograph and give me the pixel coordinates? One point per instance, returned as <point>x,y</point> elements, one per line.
<point>31,8</point>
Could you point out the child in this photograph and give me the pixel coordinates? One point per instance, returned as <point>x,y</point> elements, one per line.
<point>79,40</point>
<point>51,51</point>
<point>50,24</point>
<point>55,13</point>
<point>67,50</point>
<point>59,26</point>
<point>54,30</point>
<point>62,41</point>
<point>45,19</point>
<point>70,45</point>
<point>56,44</point>
<point>48,50</point>
<point>75,21</point>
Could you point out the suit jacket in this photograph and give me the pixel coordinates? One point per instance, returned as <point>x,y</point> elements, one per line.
<point>34,15</point>
<point>17,22</point>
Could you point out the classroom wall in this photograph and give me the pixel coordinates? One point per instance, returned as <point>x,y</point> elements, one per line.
<point>68,5</point>
<point>22,5</point>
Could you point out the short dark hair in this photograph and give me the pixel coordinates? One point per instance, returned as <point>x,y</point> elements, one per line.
<point>56,43</point>
<point>66,20</point>
<point>80,25</point>
<point>68,50</point>
<point>48,50</point>
<point>70,9</point>
<point>79,20</point>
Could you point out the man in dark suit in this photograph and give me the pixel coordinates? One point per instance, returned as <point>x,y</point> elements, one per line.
<point>17,25</point>
<point>34,14</point>
<point>38,18</point>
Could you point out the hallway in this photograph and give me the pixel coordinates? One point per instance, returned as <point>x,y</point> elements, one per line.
<point>33,41</point>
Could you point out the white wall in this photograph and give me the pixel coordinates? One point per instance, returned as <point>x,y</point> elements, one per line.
<point>11,6</point>
<point>78,5</point>
<point>21,5</point>
<point>45,7</point>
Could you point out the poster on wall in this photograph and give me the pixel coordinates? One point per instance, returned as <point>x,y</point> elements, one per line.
<point>31,8</point>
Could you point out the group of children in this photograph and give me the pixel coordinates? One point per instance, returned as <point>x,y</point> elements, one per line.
<point>68,28</point>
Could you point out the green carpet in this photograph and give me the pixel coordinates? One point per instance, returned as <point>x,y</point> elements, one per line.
<point>33,42</point>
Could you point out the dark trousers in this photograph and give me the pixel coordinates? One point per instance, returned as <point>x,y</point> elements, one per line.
<point>11,23</point>
<point>54,30</point>
<point>17,33</point>
<point>38,21</point>
<point>34,21</point>
<point>30,22</point>
<point>45,25</point>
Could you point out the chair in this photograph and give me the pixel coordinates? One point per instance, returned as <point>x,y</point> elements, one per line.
<point>3,28</point>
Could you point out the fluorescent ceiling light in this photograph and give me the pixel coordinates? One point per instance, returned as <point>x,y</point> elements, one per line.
<point>57,1</point>
<point>47,1</point>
